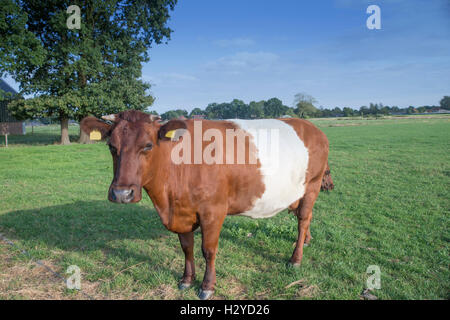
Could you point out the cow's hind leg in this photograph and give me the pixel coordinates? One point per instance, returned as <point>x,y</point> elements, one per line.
<point>308,237</point>
<point>187,243</point>
<point>304,216</point>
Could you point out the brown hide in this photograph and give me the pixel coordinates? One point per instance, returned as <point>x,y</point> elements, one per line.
<point>190,195</point>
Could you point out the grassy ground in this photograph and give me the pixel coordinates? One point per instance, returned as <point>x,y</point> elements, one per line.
<point>390,208</point>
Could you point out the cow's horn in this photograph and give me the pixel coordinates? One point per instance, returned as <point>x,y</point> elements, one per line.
<point>109,117</point>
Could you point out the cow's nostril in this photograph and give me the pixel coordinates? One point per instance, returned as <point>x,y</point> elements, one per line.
<point>122,195</point>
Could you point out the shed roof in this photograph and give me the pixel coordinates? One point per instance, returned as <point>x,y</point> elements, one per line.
<point>5,116</point>
<point>6,87</point>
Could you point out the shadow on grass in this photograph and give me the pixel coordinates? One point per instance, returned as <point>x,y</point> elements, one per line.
<point>86,226</point>
<point>82,224</point>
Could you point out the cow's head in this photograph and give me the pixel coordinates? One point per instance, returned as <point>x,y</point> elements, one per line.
<point>134,139</point>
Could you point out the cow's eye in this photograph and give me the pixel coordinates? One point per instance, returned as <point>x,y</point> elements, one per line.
<point>148,147</point>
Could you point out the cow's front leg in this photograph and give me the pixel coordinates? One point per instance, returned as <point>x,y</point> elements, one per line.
<point>210,242</point>
<point>187,243</point>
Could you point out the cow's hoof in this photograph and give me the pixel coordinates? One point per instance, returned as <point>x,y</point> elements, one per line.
<point>184,285</point>
<point>205,294</point>
<point>291,264</point>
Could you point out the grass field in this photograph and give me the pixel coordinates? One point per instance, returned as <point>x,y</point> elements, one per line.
<point>390,208</point>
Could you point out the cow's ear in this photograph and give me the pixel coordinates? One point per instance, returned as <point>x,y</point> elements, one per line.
<point>92,124</point>
<point>172,130</point>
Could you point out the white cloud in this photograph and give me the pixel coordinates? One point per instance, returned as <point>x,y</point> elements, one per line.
<point>243,62</point>
<point>169,78</point>
<point>235,42</point>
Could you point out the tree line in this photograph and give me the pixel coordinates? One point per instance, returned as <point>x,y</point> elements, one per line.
<point>303,108</point>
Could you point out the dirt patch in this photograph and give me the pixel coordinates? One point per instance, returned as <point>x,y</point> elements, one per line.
<point>24,279</point>
<point>304,290</point>
<point>233,288</point>
<point>165,292</point>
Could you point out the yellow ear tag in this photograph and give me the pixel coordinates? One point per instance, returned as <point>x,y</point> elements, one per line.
<point>170,134</point>
<point>95,135</point>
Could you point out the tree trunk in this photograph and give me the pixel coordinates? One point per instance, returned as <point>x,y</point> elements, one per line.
<point>65,130</point>
<point>84,138</point>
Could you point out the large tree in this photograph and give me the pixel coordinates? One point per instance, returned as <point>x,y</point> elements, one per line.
<point>304,105</point>
<point>73,72</point>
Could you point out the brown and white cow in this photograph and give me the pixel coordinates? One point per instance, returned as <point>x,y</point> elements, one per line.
<point>201,192</point>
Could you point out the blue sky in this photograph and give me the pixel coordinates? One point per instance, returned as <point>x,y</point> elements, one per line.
<point>255,49</point>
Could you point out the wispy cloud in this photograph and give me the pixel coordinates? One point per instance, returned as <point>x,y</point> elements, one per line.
<point>169,78</point>
<point>242,62</point>
<point>234,42</point>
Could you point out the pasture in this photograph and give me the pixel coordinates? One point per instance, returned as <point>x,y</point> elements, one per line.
<point>390,208</point>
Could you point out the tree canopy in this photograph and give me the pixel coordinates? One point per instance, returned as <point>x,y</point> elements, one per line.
<point>445,103</point>
<point>93,70</point>
<point>304,104</point>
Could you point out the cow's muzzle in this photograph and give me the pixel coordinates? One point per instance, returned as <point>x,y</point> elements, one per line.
<point>122,195</point>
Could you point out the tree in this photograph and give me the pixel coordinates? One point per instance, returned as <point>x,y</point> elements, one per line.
<point>374,109</point>
<point>304,104</point>
<point>363,110</point>
<point>256,110</point>
<point>94,70</point>
<point>274,108</point>
<point>174,114</point>
<point>411,110</point>
<point>348,112</point>
<point>196,111</point>
<point>445,103</point>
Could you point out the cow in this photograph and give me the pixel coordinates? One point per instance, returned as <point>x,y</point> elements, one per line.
<point>201,192</point>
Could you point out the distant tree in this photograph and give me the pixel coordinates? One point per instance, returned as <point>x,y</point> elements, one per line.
<point>411,110</point>
<point>363,110</point>
<point>73,72</point>
<point>421,109</point>
<point>374,109</point>
<point>256,110</point>
<point>348,112</point>
<point>304,105</point>
<point>240,109</point>
<point>196,112</point>
<point>291,112</point>
<point>385,110</point>
<point>395,109</point>
<point>174,114</point>
<point>212,111</point>
<point>445,103</point>
<point>274,108</point>
<point>336,112</point>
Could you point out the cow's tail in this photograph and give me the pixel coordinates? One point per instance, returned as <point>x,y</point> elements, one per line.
<point>327,182</point>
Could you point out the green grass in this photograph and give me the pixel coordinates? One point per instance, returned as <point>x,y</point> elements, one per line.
<point>390,208</point>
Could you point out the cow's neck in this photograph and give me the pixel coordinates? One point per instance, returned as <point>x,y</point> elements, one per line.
<point>158,184</point>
